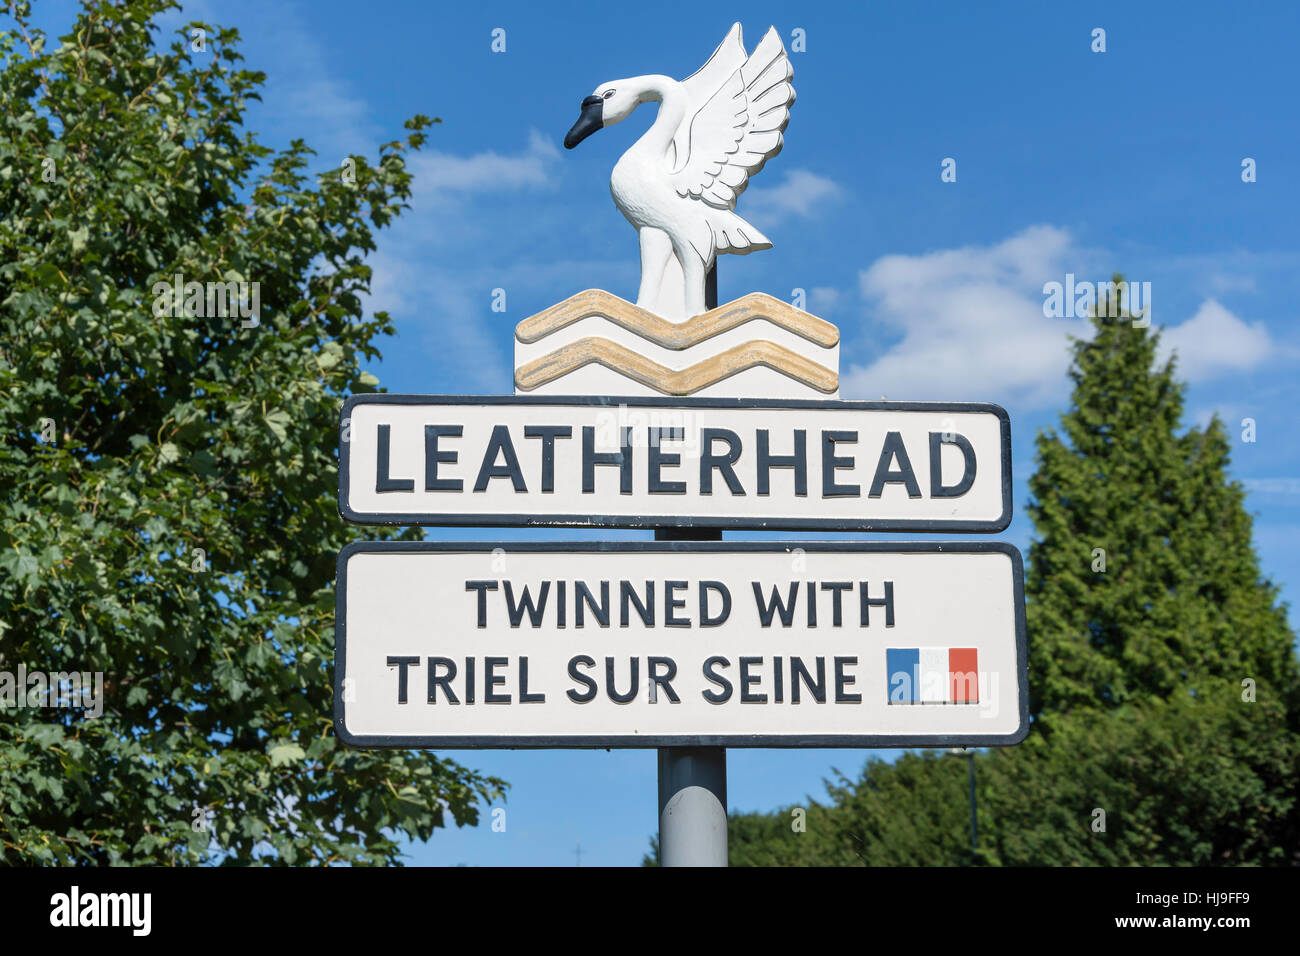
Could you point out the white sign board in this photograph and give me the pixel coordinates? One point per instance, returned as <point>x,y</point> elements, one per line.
<point>641,644</point>
<point>637,463</point>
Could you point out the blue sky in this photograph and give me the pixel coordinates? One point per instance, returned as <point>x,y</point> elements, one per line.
<point>1068,161</point>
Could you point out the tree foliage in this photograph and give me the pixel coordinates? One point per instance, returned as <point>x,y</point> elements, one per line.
<point>179,531</point>
<point>1165,692</point>
<point>1187,781</point>
<point>1180,605</point>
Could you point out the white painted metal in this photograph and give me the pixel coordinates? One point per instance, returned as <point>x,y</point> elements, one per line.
<point>692,806</point>
<point>751,383</point>
<point>678,184</point>
<point>406,422</point>
<point>417,604</point>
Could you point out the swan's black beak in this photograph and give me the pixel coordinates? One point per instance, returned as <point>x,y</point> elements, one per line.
<point>590,121</point>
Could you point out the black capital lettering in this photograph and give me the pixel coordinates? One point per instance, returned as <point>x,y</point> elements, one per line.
<point>548,434</point>
<point>724,463</point>
<point>382,481</point>
<point>482,587</point>
<point>433,457</point>
<point>830,462</point>
<point>500,444</point>
<point>656,459</point>
<point>711,675</point>
<point>886,475</point>
<point>797,461</point>
<point>582,696</point>
<point>402,663</point>
<point>621,459</point>
<point>937,488</point>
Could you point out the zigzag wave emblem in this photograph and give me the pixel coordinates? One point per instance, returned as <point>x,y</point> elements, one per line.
<point>685,381</point>
<point>797,345</point>
<point>676,335</point>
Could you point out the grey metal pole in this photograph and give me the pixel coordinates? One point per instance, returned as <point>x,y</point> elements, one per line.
<point>693,806</point>
<point>692,781</point>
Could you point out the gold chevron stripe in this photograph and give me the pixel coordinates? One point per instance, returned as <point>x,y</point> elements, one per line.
<point>676,335</point>
<point>668,381</point>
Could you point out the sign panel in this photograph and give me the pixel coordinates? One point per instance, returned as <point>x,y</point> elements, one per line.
<point>652,644</point>
<point>648,462</point>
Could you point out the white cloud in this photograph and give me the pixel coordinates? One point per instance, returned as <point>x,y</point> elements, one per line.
<point>306,94</point>
<point>318,101</point>
<point>972,326</point>
<point>443,307</point>
<point>1222,282</point>
<point>824,300</point>
<point>1215,342</point>
<point>443,314</point>
<point>1272,486</point>
<point>802,193</point>
<point>489,171</point>
<point>972,323</point>
<point>1229,414</point>
<point>437,266</point>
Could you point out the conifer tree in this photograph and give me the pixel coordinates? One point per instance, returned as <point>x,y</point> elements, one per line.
<point>1162,669</point>
<point>1164,687</point>
<point>1143,579</point>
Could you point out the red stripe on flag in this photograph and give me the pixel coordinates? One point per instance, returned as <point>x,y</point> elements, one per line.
<point>963,675</point>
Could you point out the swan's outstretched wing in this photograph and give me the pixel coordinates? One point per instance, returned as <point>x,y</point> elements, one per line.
<point>738,127</point>
<point>729,57</point>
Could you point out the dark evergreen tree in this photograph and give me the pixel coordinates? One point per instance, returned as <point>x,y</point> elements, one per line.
<point>1142,581</point>
<point>1164,687</point>
<point>1191,780</point>
<point>1162,669</point>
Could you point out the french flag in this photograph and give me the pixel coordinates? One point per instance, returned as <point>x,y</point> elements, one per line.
<point>932,675</point>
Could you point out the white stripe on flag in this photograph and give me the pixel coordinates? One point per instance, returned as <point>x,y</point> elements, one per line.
<point>935,685</point>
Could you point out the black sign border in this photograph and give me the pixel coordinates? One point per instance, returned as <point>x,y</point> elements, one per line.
<point>671,521</point>
<point>639,741</point>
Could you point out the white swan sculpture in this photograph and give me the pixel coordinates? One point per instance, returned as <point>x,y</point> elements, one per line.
<point>679,182</point>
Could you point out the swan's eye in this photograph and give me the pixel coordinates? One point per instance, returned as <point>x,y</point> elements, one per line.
<point>607,94</point>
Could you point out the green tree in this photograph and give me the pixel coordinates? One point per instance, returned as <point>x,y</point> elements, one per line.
<point>167,481</point>
<point>1163,674</point>
<point>1164,687</point>
<point>912,812</point>
<point>1143,580</point>
<point>1191,780</point>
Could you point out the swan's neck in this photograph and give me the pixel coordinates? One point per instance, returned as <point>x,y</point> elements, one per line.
<point>670,96</point>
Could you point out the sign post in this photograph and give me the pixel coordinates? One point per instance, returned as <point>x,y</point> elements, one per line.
<point>680,644</point>
<point>692,780</point>
<point>693,806</point>
<point>686,463</point>
<point>685,417</point>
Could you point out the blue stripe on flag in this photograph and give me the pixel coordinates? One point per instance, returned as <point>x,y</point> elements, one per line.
<point>903,666</point>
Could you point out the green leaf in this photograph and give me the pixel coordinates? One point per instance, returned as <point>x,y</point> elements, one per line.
<point>163,443</point>
<point>282,754</point>
<point>278,421</point>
